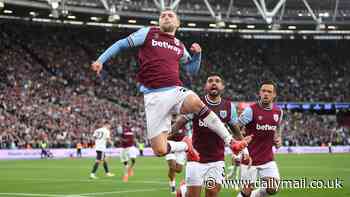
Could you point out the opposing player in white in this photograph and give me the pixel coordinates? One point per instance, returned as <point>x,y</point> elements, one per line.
<point>102,136</point>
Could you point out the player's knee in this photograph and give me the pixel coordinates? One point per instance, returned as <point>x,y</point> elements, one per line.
<point>213,192</point>
<point>272,190</point>
<point>192,104</point>
<point>160,152</point>
<point>178,168</point>
<point>172,167</point>
<point>246,191</point>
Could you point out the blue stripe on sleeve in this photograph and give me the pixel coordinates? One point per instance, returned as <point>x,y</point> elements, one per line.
<point>138,38</point>
<point>246,117</point>
<point>133,40</point>
<point>114,50</point>
<point>185,57</point>
<point>234,116</point>
<point>193,65</point>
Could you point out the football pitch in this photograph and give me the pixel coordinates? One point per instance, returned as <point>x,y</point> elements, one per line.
<point>70,177</point>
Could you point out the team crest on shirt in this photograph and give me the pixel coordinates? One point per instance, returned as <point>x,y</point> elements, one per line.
<point>275,117</point>
<point>176,41</point>
<point>223,114</point>
<point>260,117</point>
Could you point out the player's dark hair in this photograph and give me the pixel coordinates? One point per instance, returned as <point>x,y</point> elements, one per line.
<point>212,74</point>
<point>269,82</point>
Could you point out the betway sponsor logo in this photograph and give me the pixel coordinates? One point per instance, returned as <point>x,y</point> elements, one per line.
<point>266,127</point>
<point>202,124</point>
<point>166,45</point>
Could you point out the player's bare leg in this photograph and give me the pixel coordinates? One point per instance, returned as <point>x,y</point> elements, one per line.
<point>159,144</point>
<point>193,191</point>
<point>173,169</point>
<point>162,146</point>
<point>270,190</point>
<point>131,167</point>
<point>94,169</point>
<point>105,166</point>
<point>246,191</point>
<point>126,170</point>
<point>193,104</point>
<point>214,192</point>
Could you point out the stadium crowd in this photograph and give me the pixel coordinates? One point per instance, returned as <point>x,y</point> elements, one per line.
<point>48,92</point>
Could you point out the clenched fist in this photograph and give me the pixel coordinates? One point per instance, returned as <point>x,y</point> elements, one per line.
<point>97,67</point>
<point>195,48</point>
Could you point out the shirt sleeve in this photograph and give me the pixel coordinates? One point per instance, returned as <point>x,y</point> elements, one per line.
<point>246,117</point>
<point>95,133</point>
<point>281,117</point>
<point>189,117</point>
<point>135,39</point>
<point>234,116</point>
<point>186,57</point>
<point>138,38</point>
<point>108,133</point>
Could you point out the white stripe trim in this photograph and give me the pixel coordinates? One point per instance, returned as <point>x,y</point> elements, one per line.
<point>211,102</point>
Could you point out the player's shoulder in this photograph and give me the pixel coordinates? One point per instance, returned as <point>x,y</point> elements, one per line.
<point>102,129</point>
<point>228,100</point>
<point>152,29</point>
<point>276,107</point>
<point>252,107</point>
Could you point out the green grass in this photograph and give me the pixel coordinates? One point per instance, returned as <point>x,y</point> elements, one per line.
<point>69,177</point>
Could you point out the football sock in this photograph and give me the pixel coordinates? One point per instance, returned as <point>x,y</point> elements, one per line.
<point>94,169</point>
<point>105,166</point>
<point>126,167</point>
<point>177,146</point>
<point>215,124</point>
<point>172,183</point>
<point>260,192</point>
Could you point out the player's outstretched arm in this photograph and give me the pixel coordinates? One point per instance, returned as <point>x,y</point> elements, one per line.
<point>134,40</point>
<point>110,52</point>
<point>192,64</point>
<point>236,131</point>
<point>233,123</point>
<point>277,139</point>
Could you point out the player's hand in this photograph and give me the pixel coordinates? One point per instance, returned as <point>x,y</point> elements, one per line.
<point>97,67</point>
<point>247,159</point>
<point>278,142</point>
<point>195,48</point>
<point>248,139</point>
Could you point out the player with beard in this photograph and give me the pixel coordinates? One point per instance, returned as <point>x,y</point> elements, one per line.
<point>209,145</point>
<point>160,54</point>
<point>262,119</point>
